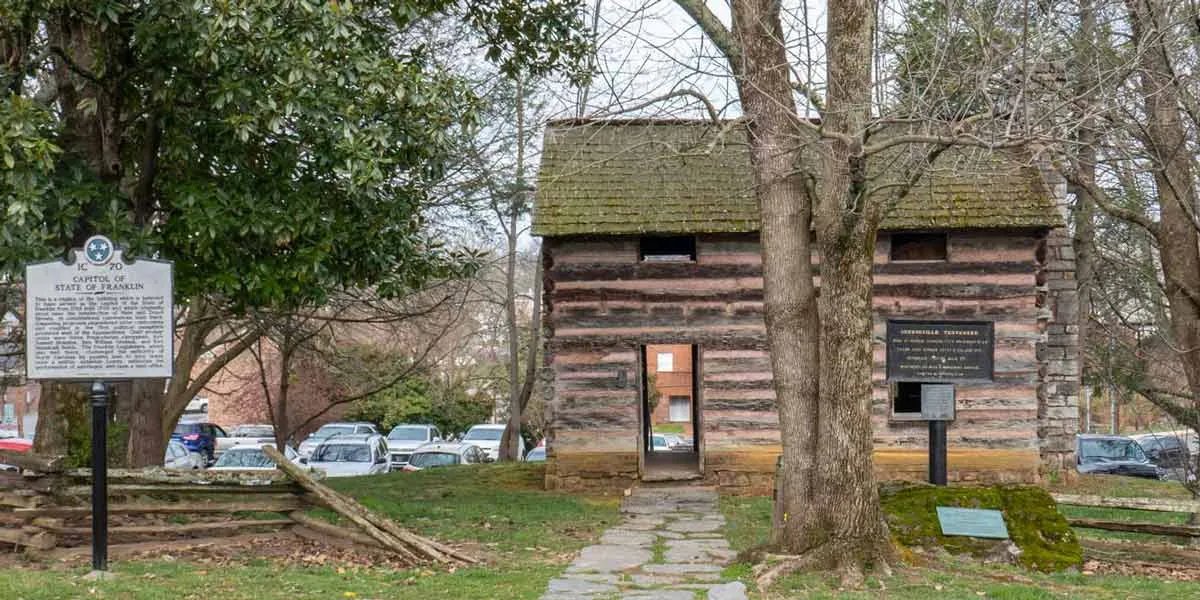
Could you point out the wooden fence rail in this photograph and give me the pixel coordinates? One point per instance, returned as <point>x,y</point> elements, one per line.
<point>1170,505</point>
<point>1155,504</point>
<point>44,507</point>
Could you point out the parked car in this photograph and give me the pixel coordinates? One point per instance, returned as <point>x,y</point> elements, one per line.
<point>197,405</point>
<point>14,444</point>
<point>1164,449</point>
<point>678,443</point>
<point>445,455</point>
<point>405,438</point>
<point>199,437</point>
<point>329,430</point>
<point>538,454</point>
<point>486,437</point>
<point>351,454</point>
<point>254,435</point>
<point>251,458</point>
<point>1113,455</point>
<point>179,457</point>
<point>659,443</point>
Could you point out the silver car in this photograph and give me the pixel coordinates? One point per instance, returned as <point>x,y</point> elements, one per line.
<point>179,457</point>
<point>405,438</point>
<point>445,455</point>
<point>351,455</point>
<point>253,435</point>
<point>329,430</point>
<point>250,458</point>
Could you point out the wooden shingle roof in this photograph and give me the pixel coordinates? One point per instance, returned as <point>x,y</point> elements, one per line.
<point>635,177</point>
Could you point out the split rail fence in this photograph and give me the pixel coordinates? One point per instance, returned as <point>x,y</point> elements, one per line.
<point>1171,505</point>
<point>46,510</point>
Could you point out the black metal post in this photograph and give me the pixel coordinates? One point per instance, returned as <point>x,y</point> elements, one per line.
<point>937,452</point>
<point>99,476</point>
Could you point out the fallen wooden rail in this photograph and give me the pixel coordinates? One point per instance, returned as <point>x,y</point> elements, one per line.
<point>383,530</point>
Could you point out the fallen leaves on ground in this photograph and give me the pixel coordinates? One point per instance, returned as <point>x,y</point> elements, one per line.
<point>1142,569</point>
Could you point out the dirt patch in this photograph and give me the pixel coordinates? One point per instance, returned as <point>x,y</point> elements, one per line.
<point>1168,571</point>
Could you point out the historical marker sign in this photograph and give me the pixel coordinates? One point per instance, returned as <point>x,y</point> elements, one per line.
<point>937,402</point>
<point>100,318</point>
<point>940,351</point>
<point>972,522</point>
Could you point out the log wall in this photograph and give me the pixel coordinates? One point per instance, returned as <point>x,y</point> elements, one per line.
<point>602,304</point>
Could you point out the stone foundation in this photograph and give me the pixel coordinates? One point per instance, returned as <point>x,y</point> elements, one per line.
<point>592,472</point>
<point>751,472</point>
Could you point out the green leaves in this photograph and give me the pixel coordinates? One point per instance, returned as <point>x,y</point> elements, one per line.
<point>277,150</point>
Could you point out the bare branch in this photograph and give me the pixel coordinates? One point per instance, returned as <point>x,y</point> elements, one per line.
<point>715,30</point>
<point>679,93</point>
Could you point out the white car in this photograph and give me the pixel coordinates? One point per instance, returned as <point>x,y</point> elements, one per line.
<point>252,435</point>
<point>179,457</point>
<point>487,437</point>
<point>351,455</point>
<point>250,458</point>
<point>404,438</point>
<point>329,430</point>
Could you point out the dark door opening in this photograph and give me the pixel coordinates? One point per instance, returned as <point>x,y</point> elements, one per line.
<point>670,411</point>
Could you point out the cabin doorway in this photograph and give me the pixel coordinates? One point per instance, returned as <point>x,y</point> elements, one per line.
<point>670,412</point>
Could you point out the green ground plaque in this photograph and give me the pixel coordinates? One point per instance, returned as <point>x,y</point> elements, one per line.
<point>972,522</point>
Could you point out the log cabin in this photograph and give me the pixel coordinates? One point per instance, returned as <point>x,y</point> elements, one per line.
<point>653,304</point>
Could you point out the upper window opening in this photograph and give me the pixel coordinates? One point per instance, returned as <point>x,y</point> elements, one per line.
<point>918,246</point>
<point>666,362</point>
<point>668,249</point>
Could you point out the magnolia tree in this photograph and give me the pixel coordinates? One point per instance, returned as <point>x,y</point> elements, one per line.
<point>278,151</point>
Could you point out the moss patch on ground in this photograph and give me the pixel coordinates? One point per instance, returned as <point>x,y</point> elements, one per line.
<point>1046,541</point>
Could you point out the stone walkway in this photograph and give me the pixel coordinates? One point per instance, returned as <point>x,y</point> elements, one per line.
<point>669,547</point>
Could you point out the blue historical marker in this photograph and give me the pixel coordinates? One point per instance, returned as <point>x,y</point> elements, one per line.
<point>972,522</point>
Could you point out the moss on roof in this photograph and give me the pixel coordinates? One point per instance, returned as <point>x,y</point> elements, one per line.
<point>639,176</point>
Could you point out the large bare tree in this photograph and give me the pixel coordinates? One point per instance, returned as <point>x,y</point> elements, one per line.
<point>820,195</point>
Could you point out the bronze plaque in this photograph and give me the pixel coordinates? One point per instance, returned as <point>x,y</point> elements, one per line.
<point>940,351</point>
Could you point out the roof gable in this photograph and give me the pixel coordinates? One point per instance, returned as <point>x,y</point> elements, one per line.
<point>638,176</point>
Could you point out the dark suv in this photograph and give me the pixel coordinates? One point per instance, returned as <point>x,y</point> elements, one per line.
<point>1113,455</point>
<point>199,437</point>
<point>1163,449</point>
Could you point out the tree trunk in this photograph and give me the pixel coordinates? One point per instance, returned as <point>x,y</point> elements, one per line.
<point>280,414</point>
<point>1165,137</point>
<point>1084,241</point>
<point>847,221</point>
<point>90,134</point>
<point>789,291</point>
<point>60,404</point>
<point>511,446</point>
<point>145,447</point>
<point>849,501</point>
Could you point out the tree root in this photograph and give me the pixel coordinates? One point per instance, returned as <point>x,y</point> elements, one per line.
<point>849,565</point>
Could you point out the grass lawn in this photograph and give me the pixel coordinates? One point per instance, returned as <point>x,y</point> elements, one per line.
<point>668,428</point>
<point>749,521</point>
<point>495,511</point>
